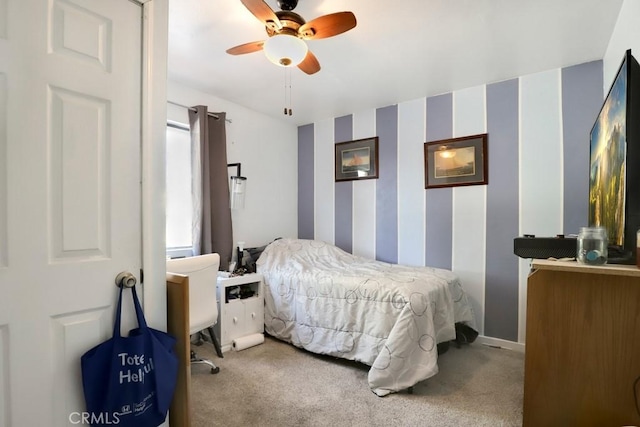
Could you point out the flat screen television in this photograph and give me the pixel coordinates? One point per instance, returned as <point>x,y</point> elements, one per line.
<point>614,170</point>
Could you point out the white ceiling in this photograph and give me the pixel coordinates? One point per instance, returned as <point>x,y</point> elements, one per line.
<point>399,50</point>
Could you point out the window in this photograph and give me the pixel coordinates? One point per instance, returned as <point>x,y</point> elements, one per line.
<point>178,202</point>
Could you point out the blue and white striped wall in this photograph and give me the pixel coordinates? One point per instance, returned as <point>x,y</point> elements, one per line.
<point>538,128</point>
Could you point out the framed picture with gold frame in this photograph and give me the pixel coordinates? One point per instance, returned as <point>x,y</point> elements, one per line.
<point>356,159</point>
<point>456,161</point>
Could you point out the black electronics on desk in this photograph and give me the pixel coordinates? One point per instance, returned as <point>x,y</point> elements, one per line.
<point>530,246</point>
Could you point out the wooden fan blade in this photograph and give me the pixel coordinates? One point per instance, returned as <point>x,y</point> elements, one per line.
<point>246,48</point>
<point>327,25</point>
<point>309,64</point>
<point>263,12</point>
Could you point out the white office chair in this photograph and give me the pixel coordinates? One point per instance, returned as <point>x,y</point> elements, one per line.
<point>202,271</point>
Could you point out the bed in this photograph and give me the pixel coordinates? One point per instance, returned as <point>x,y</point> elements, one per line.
<point>388,316</point>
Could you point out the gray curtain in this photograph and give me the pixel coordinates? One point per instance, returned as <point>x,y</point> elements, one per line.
<point>212,231</point>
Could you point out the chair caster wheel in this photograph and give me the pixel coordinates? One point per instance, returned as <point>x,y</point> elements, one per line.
<point>215,370</point>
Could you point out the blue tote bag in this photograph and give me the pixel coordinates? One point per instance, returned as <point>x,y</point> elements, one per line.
<point>130,381</point>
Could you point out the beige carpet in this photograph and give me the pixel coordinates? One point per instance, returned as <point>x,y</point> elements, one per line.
<point>277,384</point>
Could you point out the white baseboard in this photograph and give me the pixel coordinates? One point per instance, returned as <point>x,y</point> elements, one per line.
<point>497,342</point>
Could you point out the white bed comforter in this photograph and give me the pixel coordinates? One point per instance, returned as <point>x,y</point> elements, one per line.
<point>388,316</point>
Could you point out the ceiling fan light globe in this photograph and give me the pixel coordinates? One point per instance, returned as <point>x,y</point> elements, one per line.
<point>285,50</point>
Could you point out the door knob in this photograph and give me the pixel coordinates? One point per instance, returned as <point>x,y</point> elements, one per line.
<point>126,279</point>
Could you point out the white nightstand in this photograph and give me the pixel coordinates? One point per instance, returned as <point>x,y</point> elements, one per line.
<point>242,315</point>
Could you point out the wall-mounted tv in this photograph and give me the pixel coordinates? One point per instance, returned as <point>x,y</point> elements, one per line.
<point>614,170</point>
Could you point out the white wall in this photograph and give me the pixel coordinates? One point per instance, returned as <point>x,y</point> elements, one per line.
<point>551,113</point>
<point>626,35</point>
<point>268,151</point>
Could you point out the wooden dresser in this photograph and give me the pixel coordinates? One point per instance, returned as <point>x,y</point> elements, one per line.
<point>582,354</point>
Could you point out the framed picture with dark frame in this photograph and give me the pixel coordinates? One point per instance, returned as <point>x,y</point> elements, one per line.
<point>456,161</point>
<point>357,159</point>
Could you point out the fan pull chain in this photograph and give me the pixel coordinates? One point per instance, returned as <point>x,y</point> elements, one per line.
<point>287,91</point>
<point>290,112</point>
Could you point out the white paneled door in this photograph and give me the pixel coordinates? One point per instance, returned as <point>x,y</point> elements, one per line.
<point>70,125</point>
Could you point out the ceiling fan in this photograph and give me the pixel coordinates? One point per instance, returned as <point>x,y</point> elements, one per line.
<point>288,31</point>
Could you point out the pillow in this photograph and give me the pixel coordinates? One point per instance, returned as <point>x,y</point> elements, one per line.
<point>250,257</point>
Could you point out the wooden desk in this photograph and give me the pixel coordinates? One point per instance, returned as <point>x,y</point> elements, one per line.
<point>582,353</point>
